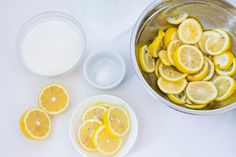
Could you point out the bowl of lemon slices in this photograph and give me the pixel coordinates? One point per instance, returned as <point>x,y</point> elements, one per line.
<point>103,125</point>
<point>184,53</point>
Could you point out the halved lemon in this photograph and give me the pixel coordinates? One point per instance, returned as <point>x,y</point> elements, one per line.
<point>205,36</point>
<point>178,98</point>
<point>223,61</point>
<point>117,121</point>
<point>169,73</point>
<point>54,99</point>
<point>211,69</point>
<point>201,92</point>
<point>85,134</point>
<point>191,105</point>
<point>190,31</point>
<point>169,87</point>
<point>157,68</point>
<point>201,74</point>
<point>156,45</point>
<point>171,50</point>
<point>226,86</point>
<point>104,104</point>
<point>146,61</point>
<point>94,112</point>
<point>188,59</point>
<point>164,58</point>
<point>171,34</point>
<point>35,124</point>
<point>218,45</point>
<point>106,143</point>
<point>229,72</point>
<point>177,18</point>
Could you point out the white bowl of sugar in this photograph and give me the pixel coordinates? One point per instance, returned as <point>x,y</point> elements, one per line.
<point>104,69</point>
<point>51,44</point>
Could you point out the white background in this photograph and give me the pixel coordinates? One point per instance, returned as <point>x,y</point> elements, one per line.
<point>163,131</point>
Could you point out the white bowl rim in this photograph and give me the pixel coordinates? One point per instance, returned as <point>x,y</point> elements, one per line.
<point>134,117</point>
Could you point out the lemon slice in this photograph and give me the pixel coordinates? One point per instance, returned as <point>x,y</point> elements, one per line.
<point>170,74</point>
<point>177,18</point>
<point>104,104</point>
<point>201,74</point>
<point>223,61</point>
<point>156,45</point>
<point>171,50</point>
<point>211,69</point>
<point>169,87</point>
<point>190,31</point>
<point>229,72</point>
<point>54,99</point>
<point>94,112</point>
<point>35,124</point>
<point>164,58</point>
<point>146,61</point>
<point>157,68</point>
<point>171,34</point>
<point>201,92</point>
<point>226,86</point>
<point>206,35</point>
<point>178,98</point>
<point>117,121</point>
<point>105,143</point>
<point>191,105</point>
<point>218,45</point>
<point>188,59</point>
<point>85,134</point>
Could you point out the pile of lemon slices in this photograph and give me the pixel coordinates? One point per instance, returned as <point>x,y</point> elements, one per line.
<point>103,128</point>
<point>35,123</point>
<point>193,66</point>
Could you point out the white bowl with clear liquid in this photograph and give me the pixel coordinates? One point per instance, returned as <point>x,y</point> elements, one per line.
<point>104,69</point>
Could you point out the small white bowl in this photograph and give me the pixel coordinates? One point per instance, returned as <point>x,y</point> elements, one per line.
<point>75,121</point>
<point>104,69</point>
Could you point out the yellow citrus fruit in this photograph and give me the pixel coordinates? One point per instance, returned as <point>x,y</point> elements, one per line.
<point>169,87</point>
<point>164,58</point>
<point>191,105</point>
<point>146,61</point>
<point>226,86</point>
<point>104,104</point>
<point>171,50</point>
<point>201,92</point>
<point>223,61</point>
<point>229,72</point>
<point>35,124</point>
<point>117,121</point>
<point>178,98</point>
<point>206,35</point>
<point>155,46</point>
<point>54,99</point>
<point>106,143</point>
<point>211,69</point>
<point>169,73</point>
<point>171,34</point>
<point>85,134</point>
<point>157,68</point>
<point>201,74</point>
<point>218,45</point>
<point>188,59</point>
<point>94,112</point>
<point>190,31</point>
<point>177,18</point>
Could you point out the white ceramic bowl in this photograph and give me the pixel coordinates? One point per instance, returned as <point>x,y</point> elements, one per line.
<point>111,74</point>
<point>129,140</point>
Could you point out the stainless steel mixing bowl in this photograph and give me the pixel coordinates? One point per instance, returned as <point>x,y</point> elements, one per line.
<point>212,14</point>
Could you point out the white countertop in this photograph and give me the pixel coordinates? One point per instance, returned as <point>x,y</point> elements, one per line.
<point>163,132</point>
